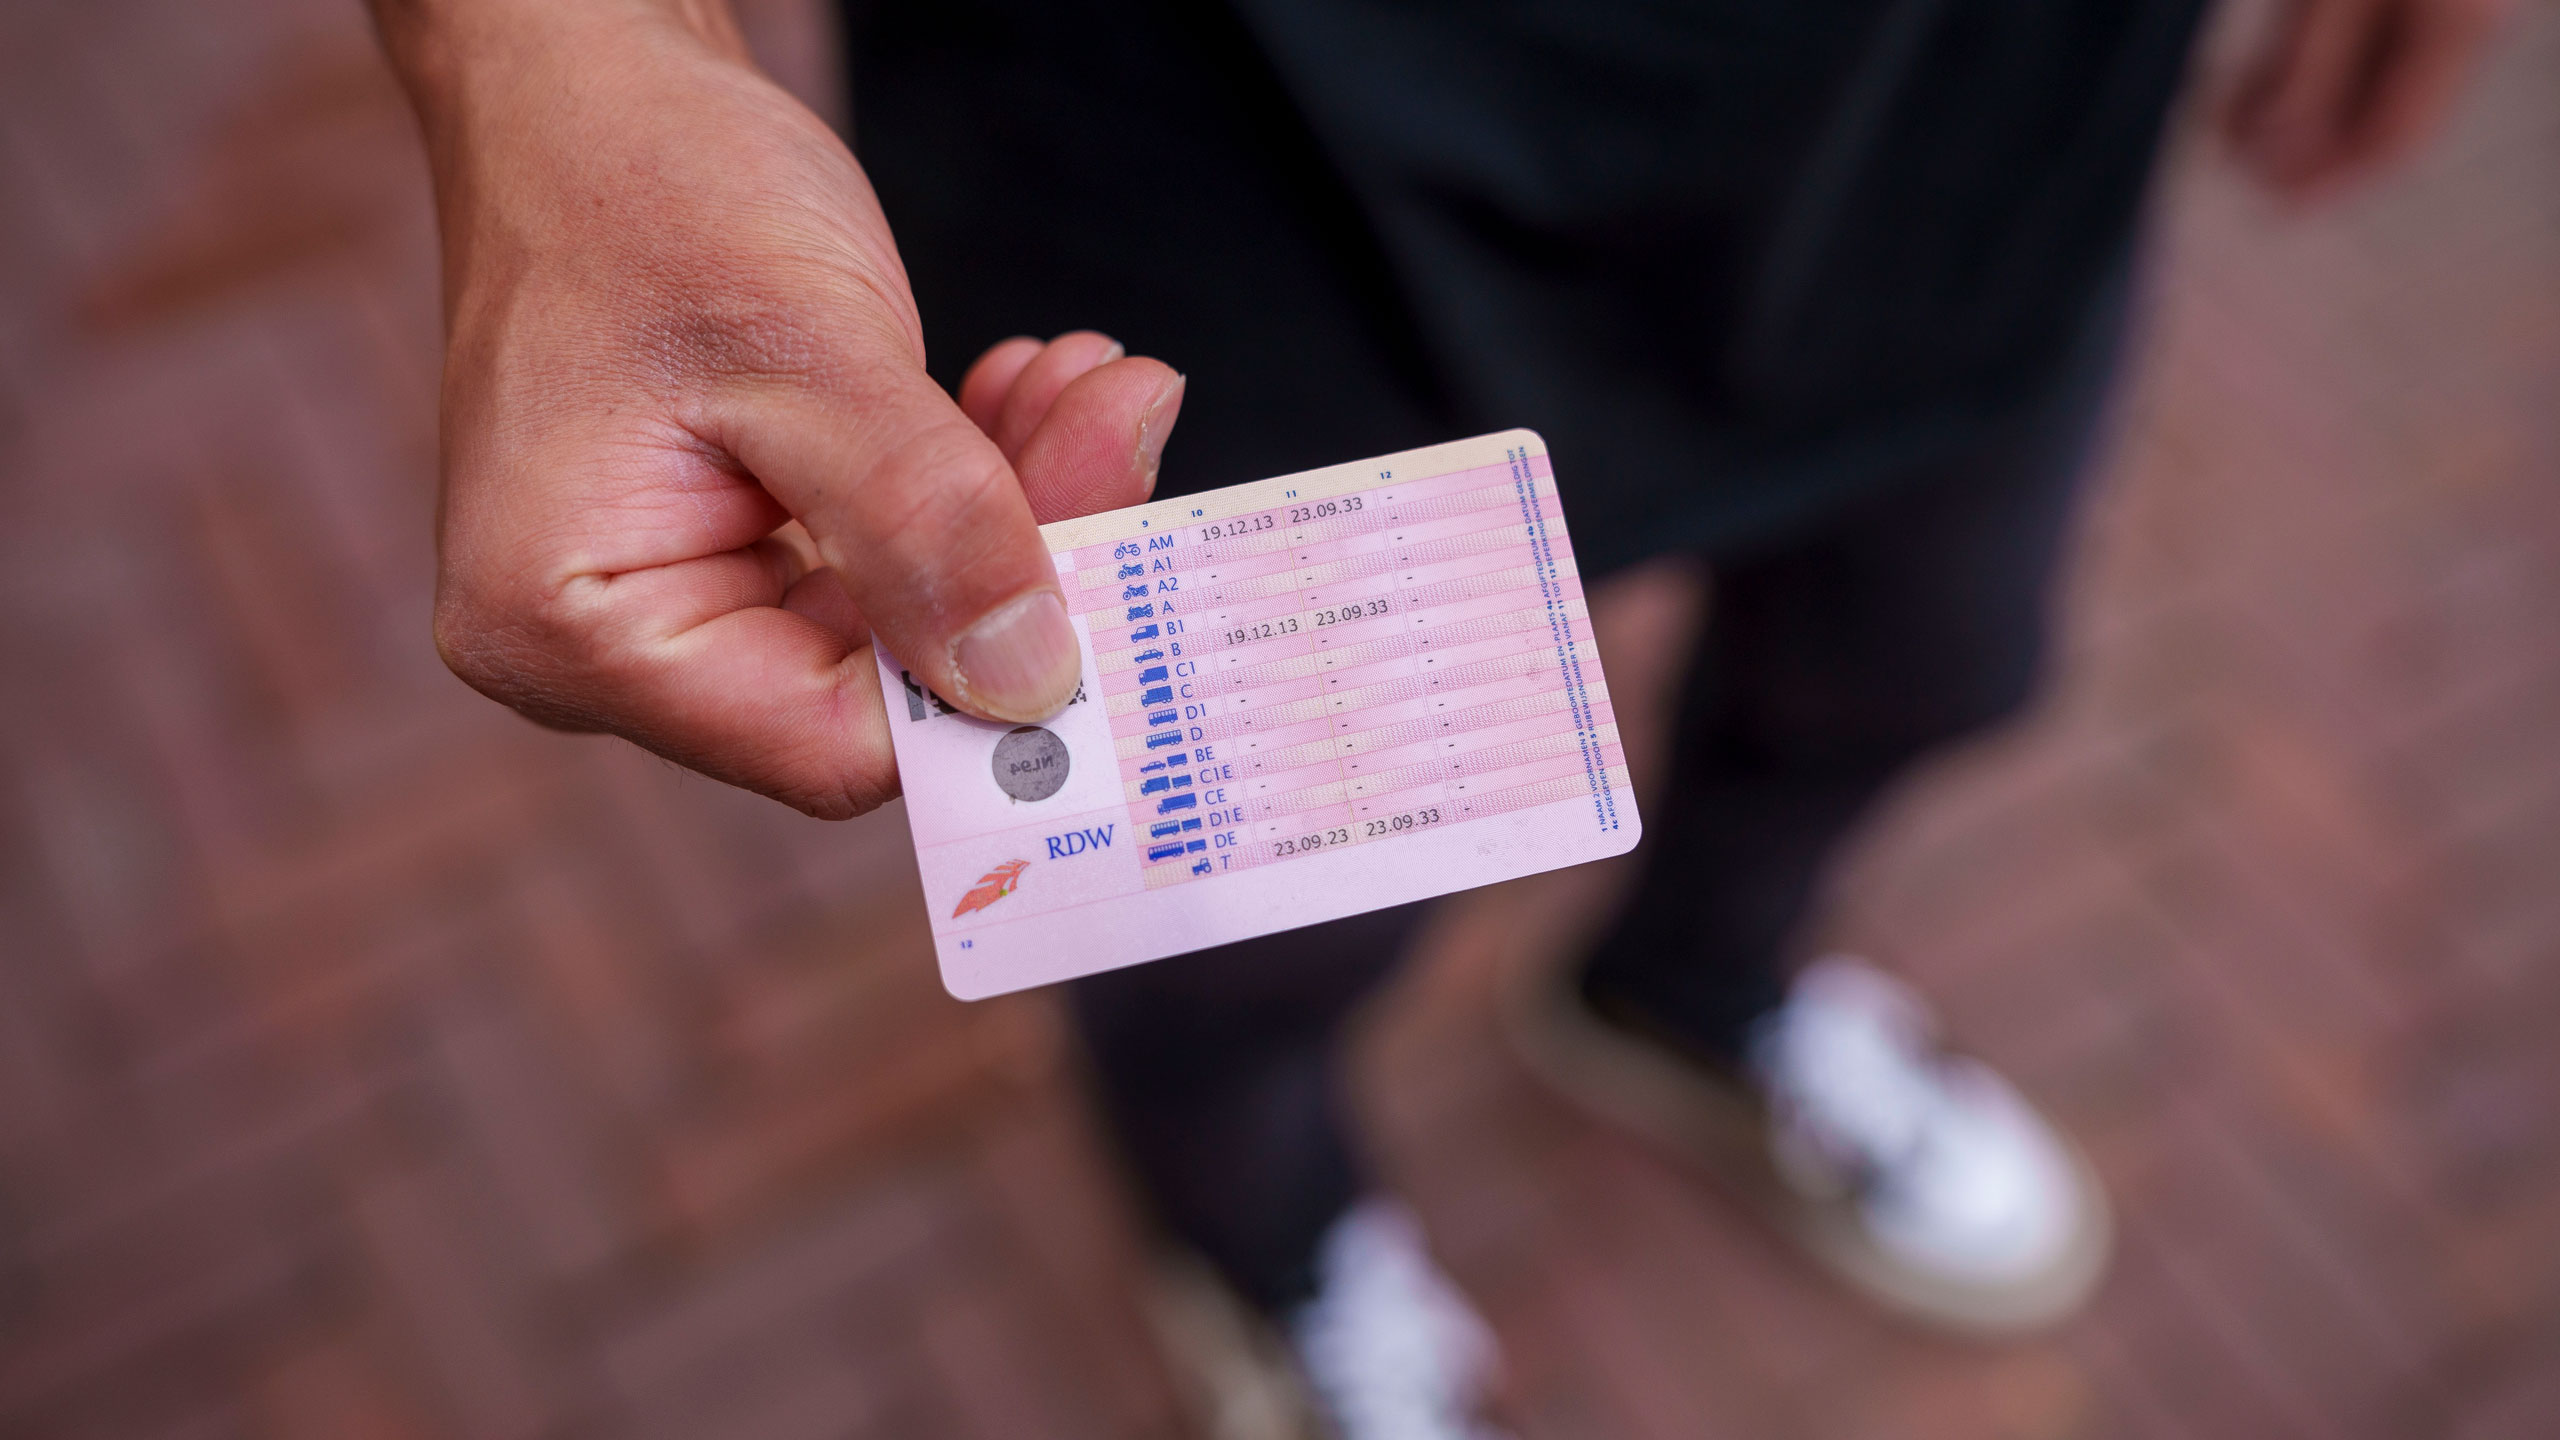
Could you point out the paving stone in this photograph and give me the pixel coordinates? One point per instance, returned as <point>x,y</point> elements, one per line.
<point>376,1065</point>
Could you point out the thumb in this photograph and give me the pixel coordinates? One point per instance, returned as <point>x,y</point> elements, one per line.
<point>923,521</point>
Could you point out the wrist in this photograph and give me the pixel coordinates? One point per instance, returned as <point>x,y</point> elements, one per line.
<point>444,50</point>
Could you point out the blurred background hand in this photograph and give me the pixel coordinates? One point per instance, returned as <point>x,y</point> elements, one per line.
<point>2340,88</point>
<point>692,459</point>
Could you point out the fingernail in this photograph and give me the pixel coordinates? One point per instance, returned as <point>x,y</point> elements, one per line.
<point>1115,352</point>
<point>1019,663</point>
<point>1155,426</point>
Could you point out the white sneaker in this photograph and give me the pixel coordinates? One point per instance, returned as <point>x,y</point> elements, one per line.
<point>1390,1347</point>
<point>1949,1169</point>
<point>1920,1178</point>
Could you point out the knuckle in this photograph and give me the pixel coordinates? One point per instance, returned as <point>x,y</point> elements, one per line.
<point>463,630</point>
<point>823,802</point>
<point>930,487</point>
<point>520,648</point>
<point>972,489</point>
<point>837,791</point>
<point>823,779</point>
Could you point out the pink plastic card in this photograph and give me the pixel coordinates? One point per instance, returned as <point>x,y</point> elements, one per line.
<point>1303,698</point>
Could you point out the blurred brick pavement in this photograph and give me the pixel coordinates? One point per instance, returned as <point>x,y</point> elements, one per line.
<point>375,1065</point>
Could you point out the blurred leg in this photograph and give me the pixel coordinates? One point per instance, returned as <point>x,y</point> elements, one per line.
<point>1219,1074</point>
<point>1209,229</point>
<point>1828,666</point>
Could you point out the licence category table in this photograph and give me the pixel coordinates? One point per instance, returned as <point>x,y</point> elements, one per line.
<point>1345,668</point>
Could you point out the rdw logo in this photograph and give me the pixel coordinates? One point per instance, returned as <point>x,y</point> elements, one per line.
<point>1076,842</point>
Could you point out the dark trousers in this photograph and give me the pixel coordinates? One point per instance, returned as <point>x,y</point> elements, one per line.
<point>1828,664</point>
<point>1863,218</point>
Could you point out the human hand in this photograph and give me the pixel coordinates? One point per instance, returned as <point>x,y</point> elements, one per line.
<point>2342,88</point>
<point>692,459</point>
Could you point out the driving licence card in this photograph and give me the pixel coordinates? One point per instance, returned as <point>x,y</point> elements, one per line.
<point>1303,698</point>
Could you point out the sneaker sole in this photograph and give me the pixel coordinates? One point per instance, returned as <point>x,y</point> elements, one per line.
<point>1718,1129</point>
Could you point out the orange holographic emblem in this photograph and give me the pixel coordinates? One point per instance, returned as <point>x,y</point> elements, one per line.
<point>992,887</point>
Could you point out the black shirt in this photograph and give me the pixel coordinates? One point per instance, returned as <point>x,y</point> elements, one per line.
<point>1740,261</point>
